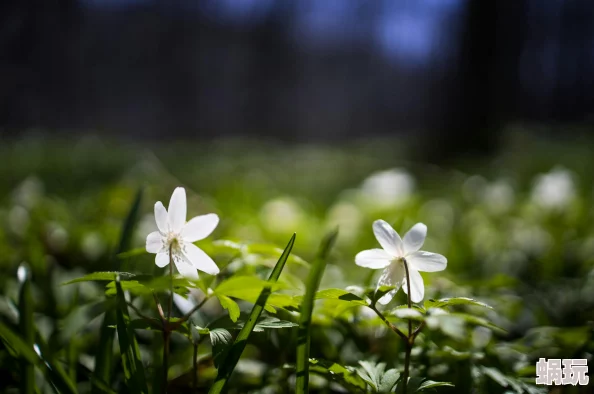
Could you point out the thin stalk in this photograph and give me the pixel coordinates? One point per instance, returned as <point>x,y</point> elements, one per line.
<point>188,315</point>
<point>410,337</point>
<point>390,325</point>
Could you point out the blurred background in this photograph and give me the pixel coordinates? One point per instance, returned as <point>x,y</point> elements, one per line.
<point>453,71</point>
<point>282,116</point>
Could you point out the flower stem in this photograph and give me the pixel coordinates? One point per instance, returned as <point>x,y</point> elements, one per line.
<point>390,325</point>
<point>411,337</point>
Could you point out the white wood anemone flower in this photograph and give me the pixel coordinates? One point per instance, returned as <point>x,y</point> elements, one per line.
<point>178,236</point>
<point>391,259</point>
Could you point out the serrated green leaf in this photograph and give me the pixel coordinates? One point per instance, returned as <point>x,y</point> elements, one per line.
<point>230,305</point>
<point>347,376</point>
<point>371,373</point>
<point>220,340</point>
<point>388,381</point>
<point>444,302</point>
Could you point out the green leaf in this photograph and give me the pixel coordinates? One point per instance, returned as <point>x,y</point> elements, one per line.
<point>244,287</point>
<point>339,294</point>
<point>104,357</point>
<point>230,305</point>
<point>303,337</point>
<point>220,338</point>
<point>376,294</point>
<point>131,253</point>
<point>101,276</point>
<point>388,381</point>
<point>429,384</point>
<point>371,373</point>
<point>407,313</point>
<point>478,321</point>
<point>17,345</point>
<point>131,361</point>
<point>273,323</point>
<point>346,376</point>
<point>240,342</point>
<point>454,301</point>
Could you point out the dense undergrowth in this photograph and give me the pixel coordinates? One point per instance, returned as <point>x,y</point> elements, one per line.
<point>517,230</point>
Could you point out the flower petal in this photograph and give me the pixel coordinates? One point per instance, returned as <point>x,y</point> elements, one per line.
<point>388,238</point>
<point>177,210</point>
<point>414,238</point>
<point>154,242</point>
<point>200,260</point>
<point>373,258</point>
<point>184,267</point>
<point>199,227</point>
<point>393,275</point>
<point>417,287</point>
<point>183,304</point>
<point>162,259</point>
<point>426,261</point>
<point>161,217</point>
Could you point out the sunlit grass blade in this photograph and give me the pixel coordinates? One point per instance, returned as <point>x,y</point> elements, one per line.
<point>131,361</point>
<point>105,356</point>
<point>53,369</point>
<point>240,342</point>
<point>303,339</point>
<point>27,327</point>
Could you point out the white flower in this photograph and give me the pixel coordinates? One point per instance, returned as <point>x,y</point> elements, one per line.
<point>391,258</point>
<point>176,235</point>
<point>554,190</point>
<point>389,187</point>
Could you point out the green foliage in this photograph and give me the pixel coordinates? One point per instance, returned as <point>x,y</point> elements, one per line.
<point>253,322</point>
<point>303,338</point>
<point>518,286</point>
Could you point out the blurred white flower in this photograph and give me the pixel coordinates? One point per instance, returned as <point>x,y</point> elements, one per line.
<point>388,187</point>
<point>391,258</point>
<point>281,215</point>
<point>499,196</point>
<point>555,189</point>
<point>176,235</point>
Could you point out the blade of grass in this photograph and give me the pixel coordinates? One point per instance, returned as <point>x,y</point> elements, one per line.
<point>228,365</point>
<point>131,361</point>
<point>105,356</point>
<point>27,328</point>
<point>51,368</point>
<point>303,339</point>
